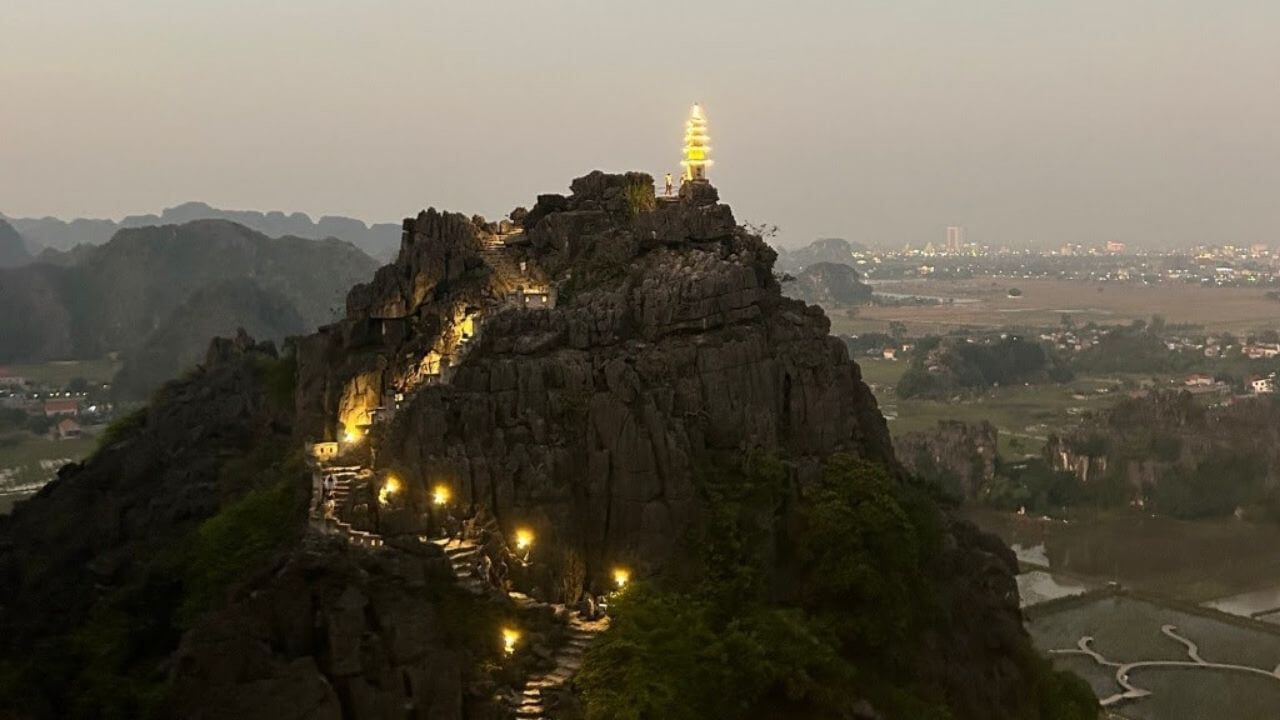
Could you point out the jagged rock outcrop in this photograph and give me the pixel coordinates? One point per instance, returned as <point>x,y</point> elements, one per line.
<point>333,633</point>
<point>958,456</point>
<point>669,340</point>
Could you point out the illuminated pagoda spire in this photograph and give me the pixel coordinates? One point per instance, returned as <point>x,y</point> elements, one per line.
<point>697,151</point>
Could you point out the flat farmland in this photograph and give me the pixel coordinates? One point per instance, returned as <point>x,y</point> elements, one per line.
<point>984,303</point>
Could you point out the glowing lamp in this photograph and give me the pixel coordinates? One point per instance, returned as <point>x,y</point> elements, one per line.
<point>390,487</point>
<point>524,539</point>
<point>621,576</point>
<point>440,495</point>
<point>351,436</point>
<point>510,636</point>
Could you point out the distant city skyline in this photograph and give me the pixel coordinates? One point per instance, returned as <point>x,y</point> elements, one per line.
<point>1152,123</point>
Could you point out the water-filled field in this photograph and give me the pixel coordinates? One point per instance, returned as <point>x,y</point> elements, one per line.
<point>1127,629</point>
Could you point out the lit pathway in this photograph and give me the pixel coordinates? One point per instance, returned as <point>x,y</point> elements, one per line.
<point>464,558</point>
<point>531,703</point>
<point>1131,691</point>
<point>464,555</point>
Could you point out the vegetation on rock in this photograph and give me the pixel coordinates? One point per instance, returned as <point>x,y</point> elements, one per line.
<point>797,607</point>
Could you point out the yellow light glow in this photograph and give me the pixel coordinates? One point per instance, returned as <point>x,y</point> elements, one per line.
<point>352,435</point>
<point>697,150</point>
<point>524,539</point>
<point>621,576</point>
<point>440,495</point>
<point>510,636</point>
<point>390,487</point>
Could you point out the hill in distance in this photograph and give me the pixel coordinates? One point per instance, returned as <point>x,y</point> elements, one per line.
<point>13,250</point>
<point>216,309</point>
<point>379,240</point>
<point>114,297</point>
<point>829,285</point>
<point>822,250</point>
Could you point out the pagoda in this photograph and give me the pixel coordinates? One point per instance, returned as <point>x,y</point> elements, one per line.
<point>697,153</point>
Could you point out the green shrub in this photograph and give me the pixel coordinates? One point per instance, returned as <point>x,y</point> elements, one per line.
<point>122,429</point>
<point>235,541</point>
<point>280,377</point>
<point>731,636</point>
<point>640,199</point>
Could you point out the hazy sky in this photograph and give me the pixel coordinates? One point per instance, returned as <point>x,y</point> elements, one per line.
<point>1027,121</point>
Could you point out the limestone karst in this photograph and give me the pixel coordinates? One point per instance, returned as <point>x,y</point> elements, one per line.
<point>568,372</point>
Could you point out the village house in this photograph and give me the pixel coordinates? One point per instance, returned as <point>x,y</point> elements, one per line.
<point>1198,380</point>
<point>1261,350</point>
<point>68,428</point>
<point>1262,385</point>
<point>61,406</point>
<point>890,353</point>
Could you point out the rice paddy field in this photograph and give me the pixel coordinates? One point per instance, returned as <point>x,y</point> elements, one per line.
<point>1125,628</point>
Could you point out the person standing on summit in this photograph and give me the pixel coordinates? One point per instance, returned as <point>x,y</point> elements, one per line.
<point>668,192</point>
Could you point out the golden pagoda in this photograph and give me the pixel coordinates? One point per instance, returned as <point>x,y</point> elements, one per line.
<point>697,153</point>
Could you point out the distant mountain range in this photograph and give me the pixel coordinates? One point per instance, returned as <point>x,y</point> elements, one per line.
<point>380,240</point>
<point>163,291</point>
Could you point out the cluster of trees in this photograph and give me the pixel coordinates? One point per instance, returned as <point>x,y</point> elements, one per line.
<point>1136,348</point>
<point>940,368</point>
<point>1166,451</point>
<point>797,610</point>
<point>1140,347</point>
<point>14,423</point>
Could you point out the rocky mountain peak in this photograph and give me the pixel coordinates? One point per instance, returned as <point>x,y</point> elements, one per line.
<point>567,370</point>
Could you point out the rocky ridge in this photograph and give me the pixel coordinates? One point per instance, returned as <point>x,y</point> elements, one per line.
<point>668,339</point>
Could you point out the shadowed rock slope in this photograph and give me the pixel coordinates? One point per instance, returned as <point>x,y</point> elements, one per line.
<point>215,309</point>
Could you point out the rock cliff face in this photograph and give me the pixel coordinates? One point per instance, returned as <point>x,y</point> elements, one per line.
<point>668,340</point>
<point>959,456</point>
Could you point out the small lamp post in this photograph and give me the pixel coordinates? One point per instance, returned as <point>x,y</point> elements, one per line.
<point>510,636</point>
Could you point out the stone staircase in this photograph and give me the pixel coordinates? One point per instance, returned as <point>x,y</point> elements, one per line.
<point>530,703</point>
<point>568,660</point>
<point>462,555</point>
<point>343,478</point>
